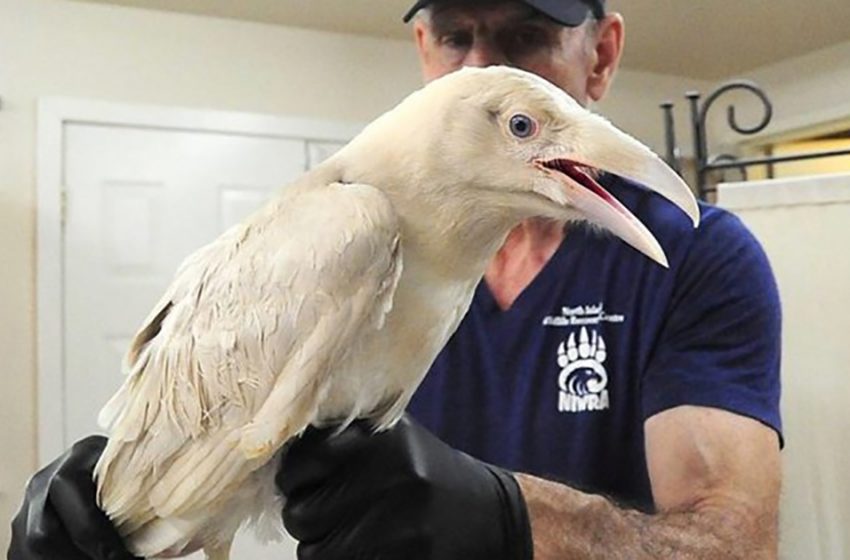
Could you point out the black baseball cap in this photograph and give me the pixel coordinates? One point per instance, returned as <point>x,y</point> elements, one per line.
<point>566,12</point>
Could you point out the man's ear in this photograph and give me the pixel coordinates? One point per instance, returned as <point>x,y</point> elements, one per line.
<point>608,48</point>
<point>428,55</point>
<point>420,35</point>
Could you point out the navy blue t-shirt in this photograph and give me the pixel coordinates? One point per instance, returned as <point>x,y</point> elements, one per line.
<point>560,384</point>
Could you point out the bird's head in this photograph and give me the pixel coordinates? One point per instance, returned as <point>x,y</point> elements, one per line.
<point>504,144</point>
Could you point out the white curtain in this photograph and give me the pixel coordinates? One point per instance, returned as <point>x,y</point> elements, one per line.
<point>804,226</point>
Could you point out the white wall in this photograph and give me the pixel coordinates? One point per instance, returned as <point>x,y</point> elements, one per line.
<point>808,90</point>
<point>633,105</point>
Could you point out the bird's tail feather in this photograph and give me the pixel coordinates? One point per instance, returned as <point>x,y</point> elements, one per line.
<point>160,537</point>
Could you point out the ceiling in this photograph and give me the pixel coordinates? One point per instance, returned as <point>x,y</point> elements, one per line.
<point>706,39</point>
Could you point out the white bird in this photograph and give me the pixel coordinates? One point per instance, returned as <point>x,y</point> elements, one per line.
<point>331,302</point>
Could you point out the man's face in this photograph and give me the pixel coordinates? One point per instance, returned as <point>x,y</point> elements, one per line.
<point>478,33</point>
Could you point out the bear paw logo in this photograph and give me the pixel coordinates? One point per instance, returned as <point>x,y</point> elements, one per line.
<point>582,372</point>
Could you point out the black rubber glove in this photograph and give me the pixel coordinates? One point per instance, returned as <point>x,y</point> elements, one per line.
<point>59,519</point>
<point>401,494</point>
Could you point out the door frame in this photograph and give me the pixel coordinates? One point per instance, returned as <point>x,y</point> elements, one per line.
<point>54,113</point>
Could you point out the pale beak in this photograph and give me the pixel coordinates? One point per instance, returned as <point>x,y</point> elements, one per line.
<point>605,148</point>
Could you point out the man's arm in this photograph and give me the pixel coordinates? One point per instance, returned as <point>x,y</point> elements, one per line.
<point>715,478</point>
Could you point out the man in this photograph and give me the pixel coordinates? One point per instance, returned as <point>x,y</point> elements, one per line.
<point>579,362</point>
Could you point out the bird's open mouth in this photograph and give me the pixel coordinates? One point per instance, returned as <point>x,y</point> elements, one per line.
<point>583,192</point>
<point>581,174</point>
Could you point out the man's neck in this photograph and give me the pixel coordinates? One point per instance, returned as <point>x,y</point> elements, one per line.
<point>526,251</point>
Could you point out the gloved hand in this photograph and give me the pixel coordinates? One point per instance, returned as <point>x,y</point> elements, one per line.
<point>401,494</point>
<point>59,518</point>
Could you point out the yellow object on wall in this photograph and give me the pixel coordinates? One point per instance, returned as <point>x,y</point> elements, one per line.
<point>820,166</point>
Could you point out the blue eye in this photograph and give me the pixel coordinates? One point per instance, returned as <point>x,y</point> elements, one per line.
<point>523,126</point>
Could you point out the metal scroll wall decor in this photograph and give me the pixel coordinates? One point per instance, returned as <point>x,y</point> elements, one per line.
<point>705,163</point>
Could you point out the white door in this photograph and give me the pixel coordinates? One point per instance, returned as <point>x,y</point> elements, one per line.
<point>138,201</point>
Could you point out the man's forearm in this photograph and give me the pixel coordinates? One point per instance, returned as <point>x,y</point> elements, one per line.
<point>568,524</point>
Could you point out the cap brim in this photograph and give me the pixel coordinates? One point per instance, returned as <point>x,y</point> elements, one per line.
<point>564,12</point>
<point>416,7</point>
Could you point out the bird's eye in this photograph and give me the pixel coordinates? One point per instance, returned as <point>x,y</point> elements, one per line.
<point>523,126</point>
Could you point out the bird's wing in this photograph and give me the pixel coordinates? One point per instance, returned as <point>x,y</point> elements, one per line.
<point>241,346</point>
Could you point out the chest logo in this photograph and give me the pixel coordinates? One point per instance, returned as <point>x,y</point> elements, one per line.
<point>583,381</point>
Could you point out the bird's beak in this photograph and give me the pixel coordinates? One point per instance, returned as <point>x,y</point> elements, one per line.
<point>616,152</point>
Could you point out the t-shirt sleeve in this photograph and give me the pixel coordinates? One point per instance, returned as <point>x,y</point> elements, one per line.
<point>720,344</point>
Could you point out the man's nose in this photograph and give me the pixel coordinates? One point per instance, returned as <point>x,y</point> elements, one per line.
<point>484,53</point>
